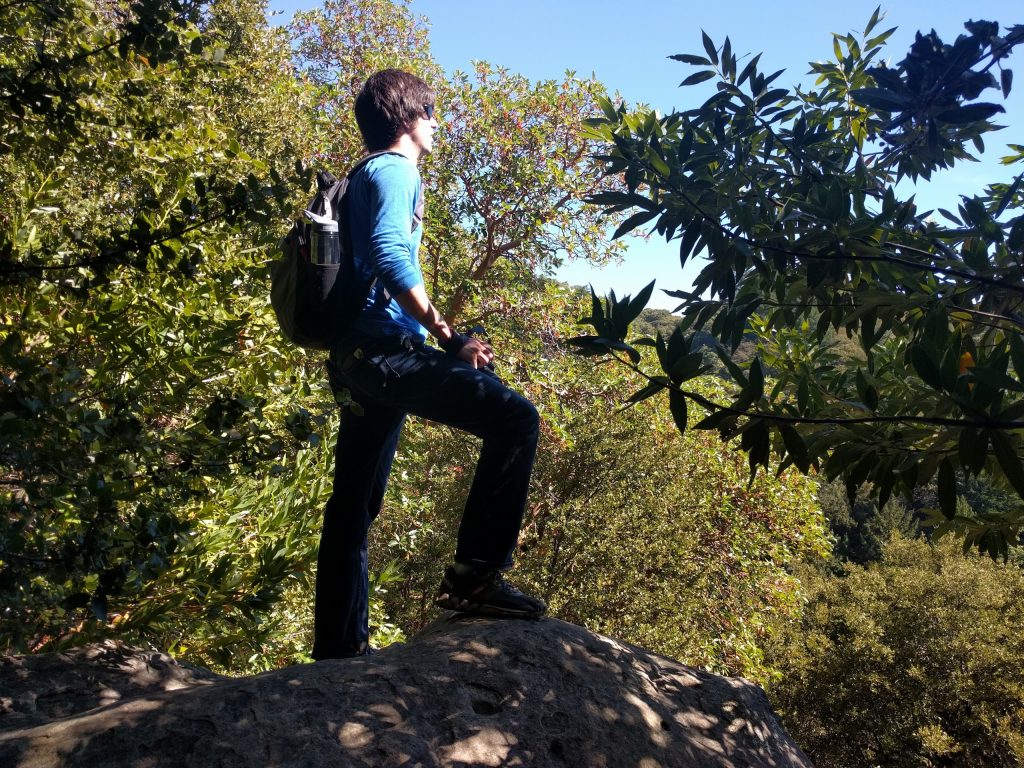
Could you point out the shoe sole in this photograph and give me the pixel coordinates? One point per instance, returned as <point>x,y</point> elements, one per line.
<point>449,603</point>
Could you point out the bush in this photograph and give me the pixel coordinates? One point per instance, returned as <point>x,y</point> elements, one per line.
<point>913,661</point>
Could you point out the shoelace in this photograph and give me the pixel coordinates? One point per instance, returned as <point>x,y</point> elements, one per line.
<point>500,582</point>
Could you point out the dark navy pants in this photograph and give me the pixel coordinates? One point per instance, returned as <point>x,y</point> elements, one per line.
<point>389,379</point>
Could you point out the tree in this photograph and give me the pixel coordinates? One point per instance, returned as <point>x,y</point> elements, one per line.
<point>912,661</point>
<point>337,47</point>
<point>860,528</point>
<point>127,350</point>
<point>513,167</point>
<point>794,197</point>
<point>510,168</point>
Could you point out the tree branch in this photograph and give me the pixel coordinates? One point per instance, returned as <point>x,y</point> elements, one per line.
<point>778,418</point>
<point>885,258</point>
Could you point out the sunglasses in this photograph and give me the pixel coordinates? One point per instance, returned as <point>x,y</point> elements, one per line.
<point>428,110</point>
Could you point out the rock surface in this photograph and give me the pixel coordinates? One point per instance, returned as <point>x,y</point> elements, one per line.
<point>466,692</point>
<point>49,686</point>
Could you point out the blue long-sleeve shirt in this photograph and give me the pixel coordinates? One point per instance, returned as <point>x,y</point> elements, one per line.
<point>382,201</point>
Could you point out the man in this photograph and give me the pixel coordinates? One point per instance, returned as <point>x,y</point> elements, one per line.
<point>384,362</point>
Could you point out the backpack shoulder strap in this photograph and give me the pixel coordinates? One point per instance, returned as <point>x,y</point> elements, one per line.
<point>325,180</point>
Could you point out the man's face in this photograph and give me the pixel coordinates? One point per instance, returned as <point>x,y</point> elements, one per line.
<point>422,132</point>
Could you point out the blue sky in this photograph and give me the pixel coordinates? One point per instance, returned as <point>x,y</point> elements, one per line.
<point>626,46</point>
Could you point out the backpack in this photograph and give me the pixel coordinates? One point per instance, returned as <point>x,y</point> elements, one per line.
<point>315,303</point>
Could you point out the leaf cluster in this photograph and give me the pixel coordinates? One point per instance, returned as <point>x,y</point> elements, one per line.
<point>792,197</point>
<point>931,96</point>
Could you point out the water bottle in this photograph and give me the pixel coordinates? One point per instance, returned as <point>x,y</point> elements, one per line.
<point>324,247</point>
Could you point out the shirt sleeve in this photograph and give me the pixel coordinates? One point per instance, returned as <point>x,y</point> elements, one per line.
<point>394,188</point>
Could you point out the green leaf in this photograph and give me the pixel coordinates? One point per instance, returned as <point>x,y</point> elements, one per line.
<point>709,46</point>
<point>677,405</point>
<point>621,346</point>
<point>1008,195</point>
<point>1008,459</point>
<point>689,239</point>
<point>698,77</point>
<point>658,164</point>
<point>757,441</point>
<point>614,199</point>
<point>995,379</point>
<point>755,388</point>
<point>713,420</point>
<point>1017,354</point>
<point>608,108</point>
<point>738,374</point>
<point>880,98</point>
<point>925,366</point>
<point>803,393</point>
<point>633,222</point>
<point>588,346</point>
<point>970,113</point>
<point>967,447</point>
<point>951,217</point>
<point>872,21</point>
<point>748,70</point>
<point>652,388</point>
<point>597,310</point>
<point>795,447</point>
<point>868,394</point>
<point>1013,412</point>
<point>728,61</point>
<point>662,349</point>
<point>646,341</point>
<point>686,367</point>
<point>637,304</point>
<point>687,58</point>
<point>947,488</point>
<point>880,38</point>
<point>685,146</point>
<point>772,96</point>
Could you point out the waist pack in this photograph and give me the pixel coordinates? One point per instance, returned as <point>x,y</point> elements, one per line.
<point>314,302</point>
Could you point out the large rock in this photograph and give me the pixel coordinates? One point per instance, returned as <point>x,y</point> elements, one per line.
<point>466,692</point>
<point>50,686</point>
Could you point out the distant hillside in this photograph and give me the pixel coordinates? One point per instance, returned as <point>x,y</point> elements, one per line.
<point>654,321</point>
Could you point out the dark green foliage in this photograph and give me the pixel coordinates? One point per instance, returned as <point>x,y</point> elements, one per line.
<point>926,96</point>
<point>125,296</point>
<point>792,195</point>
<point>860,529</point>
<point>612,320</point>
<point>913,661</point>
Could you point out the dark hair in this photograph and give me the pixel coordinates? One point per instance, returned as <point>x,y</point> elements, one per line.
<point>389,104</point>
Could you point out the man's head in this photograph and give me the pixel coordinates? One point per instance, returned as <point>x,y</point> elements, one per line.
<point>390,104</point>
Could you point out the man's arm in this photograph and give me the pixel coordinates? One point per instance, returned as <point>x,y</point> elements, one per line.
<point>416,302</point>
<point>393,193</point>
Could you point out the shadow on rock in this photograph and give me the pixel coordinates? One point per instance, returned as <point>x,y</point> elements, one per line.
<point>465,692</point>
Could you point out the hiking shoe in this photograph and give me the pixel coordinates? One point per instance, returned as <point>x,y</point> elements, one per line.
<point>486,594</point>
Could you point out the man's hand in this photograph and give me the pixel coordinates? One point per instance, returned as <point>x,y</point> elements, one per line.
<point>414,301</point>
<point>477,353</point>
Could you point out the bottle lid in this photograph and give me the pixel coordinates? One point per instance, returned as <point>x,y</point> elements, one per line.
<point>323,223</point>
